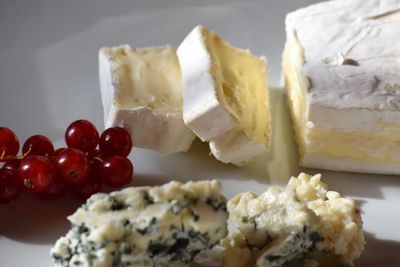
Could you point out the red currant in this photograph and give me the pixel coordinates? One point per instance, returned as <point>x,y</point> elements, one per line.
<point>82,135</point>
<point>37,173</point>
<point>55,191</point>
<point>91,186</point>
<point>115,141</point>
<point>9,144</point>
<point>73,166</point>
<point>10,186</point>
<point>12,164</point>
<point>58,151</point>
<point>94,153</point>
<point>116,171</point>
<point>38,145</point>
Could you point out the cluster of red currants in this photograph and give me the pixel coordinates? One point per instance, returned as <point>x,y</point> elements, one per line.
<point>88,162</point>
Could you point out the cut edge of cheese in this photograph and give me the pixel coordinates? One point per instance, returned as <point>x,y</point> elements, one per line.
<point>336,127</point>
<point>293,59</point>
<point>153,112</point>
<point>219,96</point>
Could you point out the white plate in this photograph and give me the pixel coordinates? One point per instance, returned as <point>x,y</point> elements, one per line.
<point>48,78</point>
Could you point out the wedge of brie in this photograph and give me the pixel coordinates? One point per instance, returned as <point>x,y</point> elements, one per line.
<point>141,90</point>
<point>342,75</point>
<point>225,95</point>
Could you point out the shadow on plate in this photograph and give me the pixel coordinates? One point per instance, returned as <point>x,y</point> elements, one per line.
<point>281,162</point>
<point>378,252</point>
<point>35,221</point>
<point>274,167</point>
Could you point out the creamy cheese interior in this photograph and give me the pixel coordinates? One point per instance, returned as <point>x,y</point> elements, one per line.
<point>241,83</point>
<point>381,145</point>
<point>149,77</point>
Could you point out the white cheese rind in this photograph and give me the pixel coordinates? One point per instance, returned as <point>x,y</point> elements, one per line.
<point>235,147</point>
<point>339,57</point>
<point>203,111</point>
<point>278,226</point>
<point>153,122</point>
<point>160,226</point>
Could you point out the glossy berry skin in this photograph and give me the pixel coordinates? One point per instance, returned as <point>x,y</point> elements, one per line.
<point>115,141</point>
<point>9,144</point>
<point>82,135</point>
<point>58,151</point>
<point>38,145</point>
<point>12,164</point>
<point>116,171</point>
<point>92,185</point>
<point>72,166</point>
<point>10,186</point>
<point>37,173</point>
<point>94,153</point>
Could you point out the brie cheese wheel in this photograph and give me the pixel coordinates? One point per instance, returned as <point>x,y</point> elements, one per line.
<point>141,90</point>
<point>225,96</point>
<point>168,225</point>
<point>278,226</point>
<point>342,76</point>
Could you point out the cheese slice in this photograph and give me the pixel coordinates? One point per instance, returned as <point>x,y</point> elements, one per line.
<point>302,220</point>
<point>141,90</point>
<point>168,225</point>
<point>342,78</point>
<point>225,96</point>
<point>183,224</point>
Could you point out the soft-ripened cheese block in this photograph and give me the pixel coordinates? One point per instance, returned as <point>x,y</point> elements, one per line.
<point>165,226</point>
<point>342,74</point>
<point>225,96</point>
<point>304,219</point>
<point>141,90</point>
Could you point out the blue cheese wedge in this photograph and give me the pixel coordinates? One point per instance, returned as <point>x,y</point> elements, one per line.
<point>167,225</point>
<point>141,90</point>
<point>279,226</point>
<point>225,96</point>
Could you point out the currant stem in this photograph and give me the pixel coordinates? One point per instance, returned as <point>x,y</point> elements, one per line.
<point>98,159</point>
<point>6,158</point>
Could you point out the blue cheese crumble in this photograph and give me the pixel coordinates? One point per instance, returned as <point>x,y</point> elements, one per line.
<point>167,225</point>
<point>278,226</point>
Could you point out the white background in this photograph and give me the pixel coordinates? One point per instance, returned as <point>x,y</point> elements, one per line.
<point>48,78</point>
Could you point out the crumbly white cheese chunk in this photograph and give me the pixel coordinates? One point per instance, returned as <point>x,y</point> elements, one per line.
<point>343,81</point>
<point>160,226</point>
<point>141,90</point>
<point>278,226</point>
<point>225,95</point>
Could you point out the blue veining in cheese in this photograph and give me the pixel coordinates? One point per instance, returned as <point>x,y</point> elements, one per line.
<point>167,225</point>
